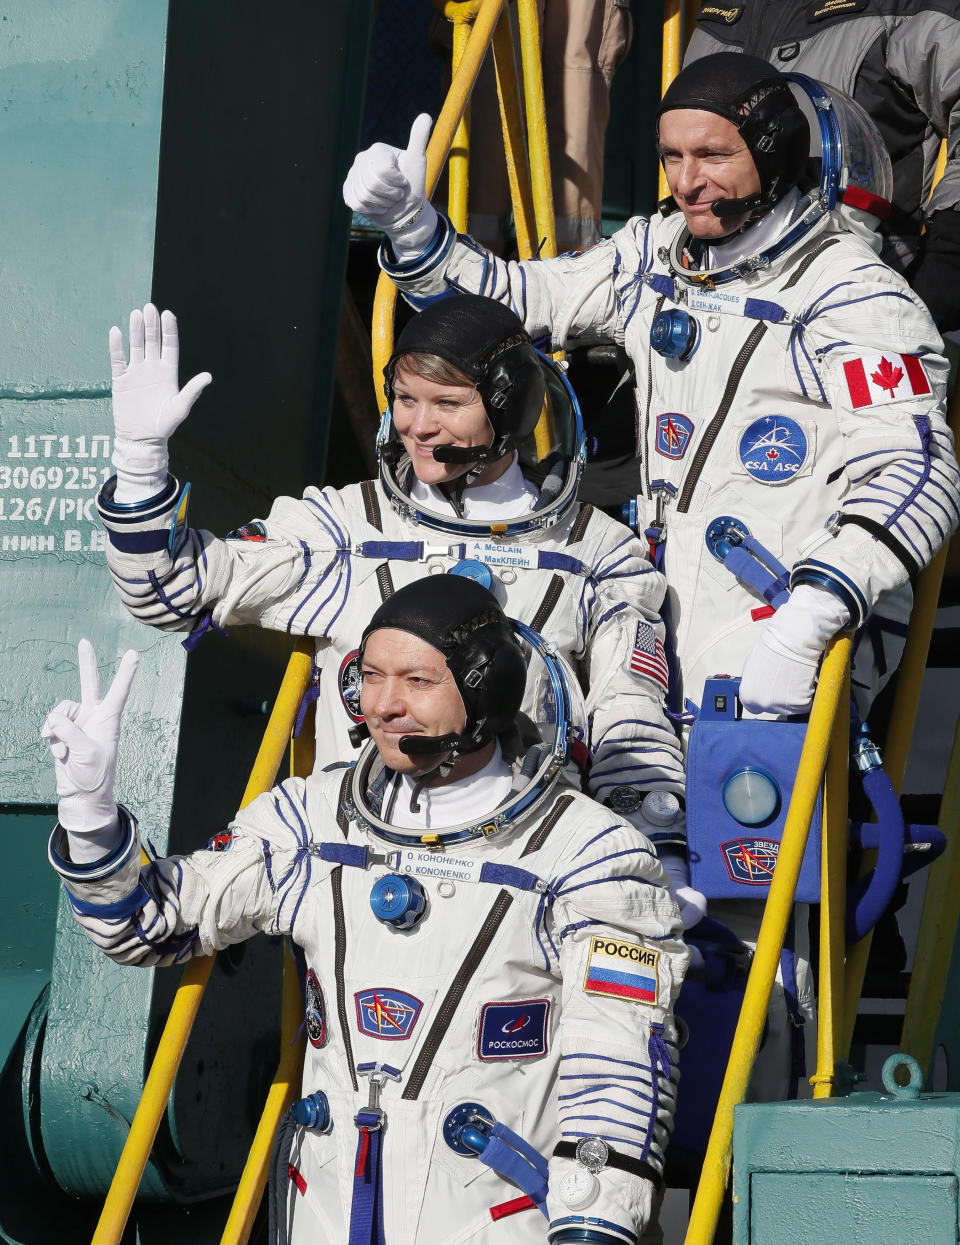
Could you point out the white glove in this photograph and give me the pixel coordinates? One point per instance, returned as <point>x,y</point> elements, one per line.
<point>84,739</point>
<point>388,185</point>
<point>147,404</point>
<point>692,904</point>
<point>780,675</point>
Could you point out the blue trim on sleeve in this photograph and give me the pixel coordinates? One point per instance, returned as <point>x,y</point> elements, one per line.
<point>139,542</point>
<point>136,511</point>
<point>823,576</point>
<point>429,259</point>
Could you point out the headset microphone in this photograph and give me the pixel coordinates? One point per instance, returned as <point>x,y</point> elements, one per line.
<point>429,745</point>
<point>466,454</point>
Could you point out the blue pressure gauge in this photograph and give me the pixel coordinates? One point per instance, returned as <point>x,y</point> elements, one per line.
<point>674,334</point>
<point>751,796</point>
<point>473,568</point>
<point>313,1112</point>
<point>398,901</point>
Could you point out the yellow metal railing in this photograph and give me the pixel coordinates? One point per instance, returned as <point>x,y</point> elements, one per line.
<point>833,884</point>
<point>183,1010</point>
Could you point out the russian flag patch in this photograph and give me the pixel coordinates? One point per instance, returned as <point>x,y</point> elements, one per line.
<point>622,970</point>
<point>873,380</point>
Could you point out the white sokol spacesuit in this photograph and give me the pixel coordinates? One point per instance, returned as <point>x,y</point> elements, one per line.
<point>320,565</point>
<point>508,991</point>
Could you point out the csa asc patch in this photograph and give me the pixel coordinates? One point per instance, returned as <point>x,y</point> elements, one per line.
<point>773,449</point>
<point>383,1012</point>
<point>513,1030</point>
<point>316,1012</point>
<point>350,682</point>
<point>751,861</point>
<point>221,842</point>
<point>622,970</point>
<point>673,434</point>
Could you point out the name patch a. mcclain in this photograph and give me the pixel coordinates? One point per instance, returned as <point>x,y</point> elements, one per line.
<point>513,1030</point>
<point>622,970</point>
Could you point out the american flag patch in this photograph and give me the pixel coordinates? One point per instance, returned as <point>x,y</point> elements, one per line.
<point>874,380</point>
<point>648,657</point>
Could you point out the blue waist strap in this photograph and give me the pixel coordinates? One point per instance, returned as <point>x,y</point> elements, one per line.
<point>513,1159</point>
<point>759,569</point>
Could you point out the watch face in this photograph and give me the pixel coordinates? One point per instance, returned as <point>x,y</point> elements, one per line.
<point>592,1153</point>
<point>625,799</point>
<point>578,1188</point>
<point>661,808</point>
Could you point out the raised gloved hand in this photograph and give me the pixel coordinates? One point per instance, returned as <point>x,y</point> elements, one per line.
<point>84,739</point>
<point>388,185</point>
<point>148,406</point>
<point>780,675</point>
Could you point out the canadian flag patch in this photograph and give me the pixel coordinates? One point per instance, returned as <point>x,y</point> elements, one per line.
<point>875,379</point>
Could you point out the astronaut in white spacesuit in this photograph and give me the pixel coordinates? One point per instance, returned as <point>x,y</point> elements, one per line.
<point>461,481</point>
<point>490,957</point>
<point>798,471</point>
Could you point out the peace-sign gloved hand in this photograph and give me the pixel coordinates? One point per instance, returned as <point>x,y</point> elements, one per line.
<point>148,406</point>
<point>84,739</point>
<point>388,185</point>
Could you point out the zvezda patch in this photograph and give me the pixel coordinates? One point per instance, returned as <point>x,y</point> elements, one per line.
<point>673,434</point>
<point>751,861</point>
<point>773,449</point>
<point>622,970</point>
<point>383,1012</point>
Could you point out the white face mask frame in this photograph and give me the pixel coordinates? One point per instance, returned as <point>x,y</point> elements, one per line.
<point>557,495</point>
<point>538,773</point>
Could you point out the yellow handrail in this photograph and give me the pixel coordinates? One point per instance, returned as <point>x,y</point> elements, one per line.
<point>776,915</point>
<point>183,1010</point>
<point>458,165</point>
<point>670,63</point>
<point>833,884</point>
<point>511,123</point>
<point>537,127</point>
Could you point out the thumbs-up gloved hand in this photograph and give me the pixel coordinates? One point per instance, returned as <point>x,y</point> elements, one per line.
<point>84,739</point>
<point>388,185</point>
